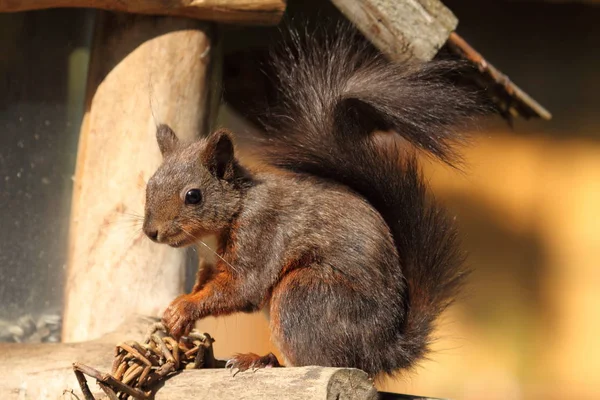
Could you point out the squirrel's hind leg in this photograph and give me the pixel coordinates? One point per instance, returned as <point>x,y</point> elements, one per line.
<point>320,317</point>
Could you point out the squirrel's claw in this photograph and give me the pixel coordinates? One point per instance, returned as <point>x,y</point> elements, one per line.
<point>231,366</point>
<point>251,361</point>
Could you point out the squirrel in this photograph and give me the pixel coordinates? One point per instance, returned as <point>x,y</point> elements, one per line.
<point>337,237</point>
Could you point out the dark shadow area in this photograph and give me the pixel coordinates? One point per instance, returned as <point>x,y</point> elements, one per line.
<point>549,49</point>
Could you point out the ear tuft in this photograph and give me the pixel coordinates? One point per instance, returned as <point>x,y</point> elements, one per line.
<point>218,156</point>
<point>166,138</point>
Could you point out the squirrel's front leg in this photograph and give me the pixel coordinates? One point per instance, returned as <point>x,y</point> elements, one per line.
<point>220,295</point>
<point>205,273</point>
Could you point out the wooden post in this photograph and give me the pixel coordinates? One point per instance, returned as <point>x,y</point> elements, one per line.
<point>144,71</point>
<point>402,29</point>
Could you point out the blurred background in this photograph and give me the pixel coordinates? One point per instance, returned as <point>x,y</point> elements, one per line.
<point>526,204</point>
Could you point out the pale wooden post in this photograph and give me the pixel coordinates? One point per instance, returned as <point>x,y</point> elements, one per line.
<point>144,71</point>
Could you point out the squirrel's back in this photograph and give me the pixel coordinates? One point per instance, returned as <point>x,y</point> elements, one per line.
<point>334,92</point>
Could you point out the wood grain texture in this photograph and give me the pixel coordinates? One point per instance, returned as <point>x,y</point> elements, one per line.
<point>305,383</point>
<point>402,29</point>
<point>252,12</point>
<point>144,70</point>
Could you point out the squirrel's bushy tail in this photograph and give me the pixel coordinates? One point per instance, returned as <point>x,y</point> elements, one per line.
<point>334,92</point>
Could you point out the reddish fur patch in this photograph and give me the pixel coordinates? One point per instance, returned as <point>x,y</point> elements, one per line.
<point>275,321</point>
<point>227,243</point>
<point>204,274</point>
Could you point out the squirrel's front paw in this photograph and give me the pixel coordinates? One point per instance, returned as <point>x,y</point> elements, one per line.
<point>180,316</point>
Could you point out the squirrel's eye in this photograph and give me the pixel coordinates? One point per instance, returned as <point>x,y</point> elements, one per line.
<point>193,196</point>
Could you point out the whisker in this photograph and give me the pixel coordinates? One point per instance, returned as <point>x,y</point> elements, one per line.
<point>132,215</point>
<point>123,221</point>
<point>124,224</point>
<point>197,240</point>
<point>131,238</point>
<point>217,254</point>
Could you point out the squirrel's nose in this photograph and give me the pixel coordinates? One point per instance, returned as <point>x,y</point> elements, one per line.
<point>152,234</point>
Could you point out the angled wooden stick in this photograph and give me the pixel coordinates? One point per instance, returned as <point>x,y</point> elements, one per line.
<point>251,12</point>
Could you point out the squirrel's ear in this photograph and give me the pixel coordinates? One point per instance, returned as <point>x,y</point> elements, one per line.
<point>218,156</point>
<point>166,138</point>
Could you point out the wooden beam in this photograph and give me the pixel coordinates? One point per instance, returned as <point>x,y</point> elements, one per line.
<point>402,29</point>
<point>144,71</point>
<point>251,12</point>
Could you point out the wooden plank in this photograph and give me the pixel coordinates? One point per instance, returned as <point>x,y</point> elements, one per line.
<point>402,29</point>
<point>144,71</point>
<point>252,12</point>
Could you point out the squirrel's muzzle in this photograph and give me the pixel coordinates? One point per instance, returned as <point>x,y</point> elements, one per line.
<point>150,229</point>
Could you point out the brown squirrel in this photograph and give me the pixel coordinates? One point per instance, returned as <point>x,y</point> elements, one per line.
<point>338,239</point>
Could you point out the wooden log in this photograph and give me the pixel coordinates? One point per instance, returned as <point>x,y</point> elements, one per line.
<point>36,371</point>
<point>402,29</point>
<point>251,12</point>
<point>45,371</point>
<point>144,70</point>
<point>305,383</point>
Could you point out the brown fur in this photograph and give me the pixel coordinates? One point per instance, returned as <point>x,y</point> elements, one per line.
<point>354,261</point>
